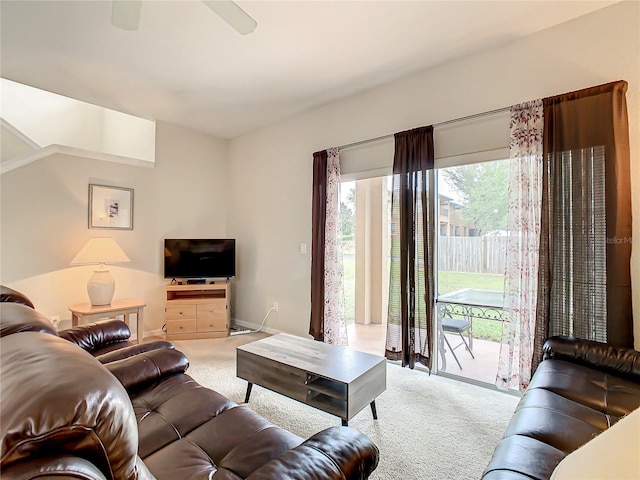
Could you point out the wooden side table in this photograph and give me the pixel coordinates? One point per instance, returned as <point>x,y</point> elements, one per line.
<point>81,312</point>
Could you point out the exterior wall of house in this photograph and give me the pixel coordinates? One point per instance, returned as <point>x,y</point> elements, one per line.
<point>271,169</point>
<point>452,223</point>
<point>372,251</point>
<point>44,219</point>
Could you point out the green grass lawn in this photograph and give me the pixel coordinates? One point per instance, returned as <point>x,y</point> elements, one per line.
<point>487,329</point>
<point>452,281</point>
<point>447,282</point>
<point>350,289</point>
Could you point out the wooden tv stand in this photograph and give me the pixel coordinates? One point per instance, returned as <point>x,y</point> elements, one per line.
<point>198,311</point>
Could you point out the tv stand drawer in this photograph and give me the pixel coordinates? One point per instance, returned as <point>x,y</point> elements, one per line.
<point>177,312</point>
<point>181,326</point>
<point>211,324</point>
<point>211,310</point>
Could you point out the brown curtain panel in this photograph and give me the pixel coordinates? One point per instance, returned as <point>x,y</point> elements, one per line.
<point>318,220</point>
<point>410,319</point>
<point>584,284</point>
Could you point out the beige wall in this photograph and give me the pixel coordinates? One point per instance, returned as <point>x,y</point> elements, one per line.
<point>271,169</point>
<point>44,219</point>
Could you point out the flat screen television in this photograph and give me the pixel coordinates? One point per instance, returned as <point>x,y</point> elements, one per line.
<point>199,258</point>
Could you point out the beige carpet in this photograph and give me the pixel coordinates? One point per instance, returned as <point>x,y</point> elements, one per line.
<point>428,427</point>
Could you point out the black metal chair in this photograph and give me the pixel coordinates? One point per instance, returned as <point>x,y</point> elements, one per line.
<point>460,327</point>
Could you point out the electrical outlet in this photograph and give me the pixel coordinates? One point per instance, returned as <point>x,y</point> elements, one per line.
<point>275,306</point>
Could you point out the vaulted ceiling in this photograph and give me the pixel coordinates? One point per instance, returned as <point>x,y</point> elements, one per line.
<point>186,66</point>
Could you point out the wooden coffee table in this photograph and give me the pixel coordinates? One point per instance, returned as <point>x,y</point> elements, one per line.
<point>332,378</point>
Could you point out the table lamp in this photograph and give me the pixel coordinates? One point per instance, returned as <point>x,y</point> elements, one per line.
<point>101,285</point>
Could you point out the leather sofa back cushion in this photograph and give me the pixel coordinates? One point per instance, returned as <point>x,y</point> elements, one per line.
<point>17,317</point>
<point>618,361</point>
<point>58,399</point>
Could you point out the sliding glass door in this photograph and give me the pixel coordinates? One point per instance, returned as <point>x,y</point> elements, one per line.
<point>472,222</point>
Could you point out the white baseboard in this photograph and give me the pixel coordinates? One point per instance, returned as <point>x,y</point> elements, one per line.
<point>153,333</point>
<point>255,326</point>
<point>234,321</point>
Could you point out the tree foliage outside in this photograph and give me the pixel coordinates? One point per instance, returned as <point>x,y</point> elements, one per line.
<point>348,215</point>
<point>483,189</point>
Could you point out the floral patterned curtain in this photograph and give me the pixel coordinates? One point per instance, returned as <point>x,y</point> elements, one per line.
<point>327,323</point>
<point>335,325</point>
<point>523,245</point>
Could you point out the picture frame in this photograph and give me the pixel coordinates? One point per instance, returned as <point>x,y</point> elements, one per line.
<point>110,207</point>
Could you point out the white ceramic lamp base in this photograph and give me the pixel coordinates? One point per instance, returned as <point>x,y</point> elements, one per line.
<point>100,287</point>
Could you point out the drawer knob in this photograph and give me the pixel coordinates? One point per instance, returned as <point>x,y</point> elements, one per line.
<point>211,310</point>
<point>180,327</point>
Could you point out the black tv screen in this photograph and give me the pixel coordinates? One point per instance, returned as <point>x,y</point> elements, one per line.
<point>200,258</point>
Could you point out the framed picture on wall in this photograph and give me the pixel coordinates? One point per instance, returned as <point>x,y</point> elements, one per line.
<point>110,207</point>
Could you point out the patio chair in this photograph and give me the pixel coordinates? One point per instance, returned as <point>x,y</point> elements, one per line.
<point>460,327</point>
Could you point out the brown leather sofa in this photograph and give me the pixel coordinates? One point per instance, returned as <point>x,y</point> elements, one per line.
<point>134,414</point>
<point>579,390</point>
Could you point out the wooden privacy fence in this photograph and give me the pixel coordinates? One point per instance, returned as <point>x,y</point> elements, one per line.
<point>472,254</point>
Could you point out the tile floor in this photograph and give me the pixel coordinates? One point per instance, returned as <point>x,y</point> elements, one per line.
<point>371,339</point>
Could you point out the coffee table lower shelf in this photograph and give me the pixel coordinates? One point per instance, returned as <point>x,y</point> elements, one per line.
<point>332,405</point>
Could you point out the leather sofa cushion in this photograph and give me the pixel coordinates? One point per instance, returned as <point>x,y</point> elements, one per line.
<point>172,408</point>
<point>557,428</point>
<point>518,457</point>
<point>246,440</point>
<point>612,454</point>
<point>601,391</point>
<point>546,399</point>
<point>230,445</point>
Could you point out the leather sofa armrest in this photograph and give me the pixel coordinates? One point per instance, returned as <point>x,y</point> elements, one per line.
<point>334,453</point>
<point>13,296</point>
<point>92,336</point>
<point>132,350</point>
<point>59,400</point>
<point>64,467</point>
<point>619,361</point>
<point>17,318</point>
<point>144,369</point>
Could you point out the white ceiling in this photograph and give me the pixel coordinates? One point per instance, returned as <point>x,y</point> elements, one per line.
<point>186,66</point>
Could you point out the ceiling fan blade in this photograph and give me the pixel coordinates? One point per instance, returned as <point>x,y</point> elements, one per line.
<point>231,13</point>
<point>125,14</point>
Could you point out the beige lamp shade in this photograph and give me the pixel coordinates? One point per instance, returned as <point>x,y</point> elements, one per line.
<point>100,251</point>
